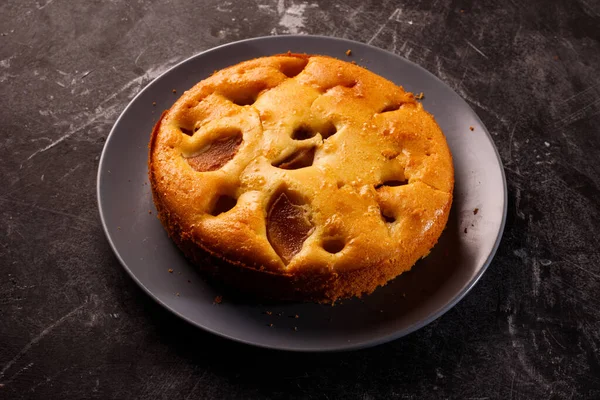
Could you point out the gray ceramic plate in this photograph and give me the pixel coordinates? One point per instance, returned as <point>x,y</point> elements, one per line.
<point>408,303</point>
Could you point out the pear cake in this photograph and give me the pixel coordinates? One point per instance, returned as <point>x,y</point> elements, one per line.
<point>301,177</point>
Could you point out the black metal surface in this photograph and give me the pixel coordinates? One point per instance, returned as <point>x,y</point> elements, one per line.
<point>74,325</point>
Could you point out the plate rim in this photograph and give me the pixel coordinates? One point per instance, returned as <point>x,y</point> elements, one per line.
<point>343,346</point>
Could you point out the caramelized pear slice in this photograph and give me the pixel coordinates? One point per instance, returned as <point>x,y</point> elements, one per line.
<point>216,155</point>
<point>288,226</point>
<point>300,159</point>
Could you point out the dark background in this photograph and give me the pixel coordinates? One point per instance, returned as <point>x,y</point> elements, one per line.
<point>74,325</point>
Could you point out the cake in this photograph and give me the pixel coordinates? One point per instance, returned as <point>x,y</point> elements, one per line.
<point>301,177</point>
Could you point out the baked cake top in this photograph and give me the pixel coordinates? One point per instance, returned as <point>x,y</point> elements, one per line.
<point>299,164</point>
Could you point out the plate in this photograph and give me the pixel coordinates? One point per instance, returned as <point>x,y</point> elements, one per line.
<point>409,302</point>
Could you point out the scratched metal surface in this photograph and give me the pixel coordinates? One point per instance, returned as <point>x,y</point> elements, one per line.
<point>72,324</point>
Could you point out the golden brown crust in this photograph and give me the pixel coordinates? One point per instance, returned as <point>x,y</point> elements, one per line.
<point>368,166</point>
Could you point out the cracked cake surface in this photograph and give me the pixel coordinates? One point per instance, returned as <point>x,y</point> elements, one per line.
<point>301,177</point>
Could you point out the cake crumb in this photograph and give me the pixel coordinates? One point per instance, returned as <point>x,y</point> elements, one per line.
<point>174,91</point>
<point>348,52</point>
<point>295,329</point>
<point>475,211</point>
<point>170,270</point>
<point>462,11</point>
<point>354,62</point>
<point>465,230</point>
<point>218,299</point>
<point>389,153</point>
<point>153,103</point>
<point>296,316</point>
<point>269,312</point>
<point>556,58</point>
<point>472,128</point>
<point>177,294</point>
<point>149,211</point>
<point>420,96</point>
<point>270,325</point>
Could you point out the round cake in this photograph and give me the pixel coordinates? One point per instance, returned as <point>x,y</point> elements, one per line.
<point>301,177</point>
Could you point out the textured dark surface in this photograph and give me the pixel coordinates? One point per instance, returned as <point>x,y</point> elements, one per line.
<point>73,324</point>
